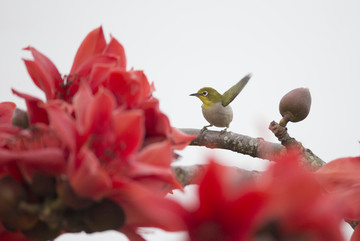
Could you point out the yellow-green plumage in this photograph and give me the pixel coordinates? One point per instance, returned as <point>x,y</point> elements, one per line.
<point>215,107</point>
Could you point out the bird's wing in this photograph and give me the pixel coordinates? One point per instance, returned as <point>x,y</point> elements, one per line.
<point>231,93</point>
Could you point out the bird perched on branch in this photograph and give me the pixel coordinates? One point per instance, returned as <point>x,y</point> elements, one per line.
<point>215,107</point>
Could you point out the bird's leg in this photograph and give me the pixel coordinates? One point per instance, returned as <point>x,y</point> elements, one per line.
<point>223,131</point>
<point>205,128</point>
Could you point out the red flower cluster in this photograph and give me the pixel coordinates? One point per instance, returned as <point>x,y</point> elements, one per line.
<point>285,203</point>
<point>100,129</point>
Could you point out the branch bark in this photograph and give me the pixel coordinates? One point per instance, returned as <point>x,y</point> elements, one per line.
<point>187,175</point>
<point>286,140</point>
<point>255,147</point>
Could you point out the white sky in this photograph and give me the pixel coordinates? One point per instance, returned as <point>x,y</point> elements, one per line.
<point>185,45</point>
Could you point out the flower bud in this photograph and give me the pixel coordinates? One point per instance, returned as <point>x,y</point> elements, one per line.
<point>42,185</point>
<point>70,198</point>
<point>20,118</point>
<point>295,105</point>
<point>105,215</point>
<point>42,232</point>
<point>73,221</point>
<point>11,194</point>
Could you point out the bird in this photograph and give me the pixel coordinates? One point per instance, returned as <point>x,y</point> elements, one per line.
<point>215,108</point>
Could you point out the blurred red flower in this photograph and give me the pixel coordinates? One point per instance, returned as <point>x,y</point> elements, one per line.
<point>285,203</point>
<point>227,210</point>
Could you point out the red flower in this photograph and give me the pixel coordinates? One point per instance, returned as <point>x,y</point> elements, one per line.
<point>100,130</point>
<point>297,207</point>
<point>226,211</point>
<point>92,60</point>
<point>110,159</point>
<point>107,142</point>
<point>285,203</point>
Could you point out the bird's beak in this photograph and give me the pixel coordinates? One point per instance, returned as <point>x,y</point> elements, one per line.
<point>195,94</point>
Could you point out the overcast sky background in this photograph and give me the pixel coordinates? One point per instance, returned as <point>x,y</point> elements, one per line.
<point>185,45</point>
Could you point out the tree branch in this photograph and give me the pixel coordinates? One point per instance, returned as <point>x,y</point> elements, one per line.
<point>187,175</point>
<point>255,147</point>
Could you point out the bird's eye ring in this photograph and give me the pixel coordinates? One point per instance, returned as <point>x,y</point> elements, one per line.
<point>204,93</point>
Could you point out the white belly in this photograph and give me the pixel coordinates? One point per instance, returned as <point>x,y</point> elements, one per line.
<point>218,115</point>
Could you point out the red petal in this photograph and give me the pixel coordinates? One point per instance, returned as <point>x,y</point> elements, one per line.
<point>48,160</point>
<point>179,139</point>
<point>6,156</point>
<point>341,176</point>
<point>93,44</point>
<point>153,168</point>
<point>291,184</point>
<point>226,209</point>
<point>98,75</point>
<point>356,235</point>
<point>6,112</point>
<point>41,79</point>
<point>213,185</point>
<point>131,234</point>
<point>350,202</point>
<point>115,48</point>
<point>7,132</point>
<point>147,209</point>
<point>340,173</point>
<point>131,88</point>
<point>46,65</point>
<point>43,72</point>
<point>157,123</point>
<point>157,154</point>
<point>81,102</point>
<point>86,67</point>
<point>99,113</point>
<point>129,130</point>
<point>63,124</point>
<point>36,113</point>
<point>90,180</point>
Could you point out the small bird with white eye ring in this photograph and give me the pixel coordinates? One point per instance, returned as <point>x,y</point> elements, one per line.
<point>215,107</point>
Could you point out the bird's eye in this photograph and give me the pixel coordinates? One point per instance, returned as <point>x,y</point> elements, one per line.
<point>204,93</point>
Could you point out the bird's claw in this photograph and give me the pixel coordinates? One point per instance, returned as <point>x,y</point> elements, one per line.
<point>203,130</point>
<point>223,131</point>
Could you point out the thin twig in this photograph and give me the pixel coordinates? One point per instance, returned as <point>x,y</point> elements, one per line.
<point>286,140</point>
